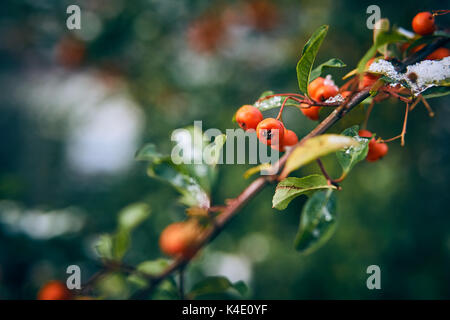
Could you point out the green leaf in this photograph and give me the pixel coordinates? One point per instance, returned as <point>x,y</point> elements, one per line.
<point>381,25</point>
<point>292,187</point>
<point>121,243</point>
<point>190,143</point>
<point>104,247</point>
<point>216,285</point>
<point>153,267</point>
<point>191,168</point>
<point>317,222</point>
<point>148,153</point>
<point>309,53</point>
<point>435,92</point>
<point>314,148</point>
<point>191,192</point>
<point>332,63</point>
<point>383,38</point>
<point>349,157</point>
<point>133,215</point>
<point>273,103</point>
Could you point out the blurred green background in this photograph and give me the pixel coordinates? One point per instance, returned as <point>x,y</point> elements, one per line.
<point>76,105</point>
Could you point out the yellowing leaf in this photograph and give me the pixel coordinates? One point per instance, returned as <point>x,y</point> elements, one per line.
<point>256,169</point>
<point>314,148</point>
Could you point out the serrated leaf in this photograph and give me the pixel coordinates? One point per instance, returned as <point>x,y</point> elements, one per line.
<point>349,157</point>
<point>216,285</point>
<point>292,187</point>
<point>332,63</point>
<point>317,222</point>
<point>133,215</point>
<point>314,148</point>
<point>309,53</point>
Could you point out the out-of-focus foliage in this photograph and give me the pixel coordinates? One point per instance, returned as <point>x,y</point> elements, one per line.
<point>76,105</point>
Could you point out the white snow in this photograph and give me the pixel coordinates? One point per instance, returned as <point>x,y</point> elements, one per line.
<point>419,77</point>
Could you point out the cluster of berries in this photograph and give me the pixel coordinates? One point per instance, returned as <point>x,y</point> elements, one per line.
<point>269,131</point>
<point>424,24</point>
<point>320,89</point>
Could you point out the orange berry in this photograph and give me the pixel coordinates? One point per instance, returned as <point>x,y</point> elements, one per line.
<point>311,112</point>
<point>179,239</point>
<point>54,290</point>
<point>439,54</point>
<point>423,23</point>
<point>248,117</point>
<point>290,138</point>
<point>377,150</point>
<point>345,94</point>
<point>270,131</point>
<point>325,92</point>
<point>365,133</point>
<point>368,80</point>
<point>314,85</point>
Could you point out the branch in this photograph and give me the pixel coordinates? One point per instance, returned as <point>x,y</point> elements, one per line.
<point>234,205</point>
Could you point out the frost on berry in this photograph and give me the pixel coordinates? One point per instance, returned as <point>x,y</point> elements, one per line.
<point>419,77</point>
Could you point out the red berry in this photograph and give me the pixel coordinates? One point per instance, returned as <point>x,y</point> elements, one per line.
<point>368,80</point>
<point>365,133</point>
<point>248,117</point>
<point>325,92</point>
<point>179,239</point>
<point>311,112</point>
<point>54,290</point>
<point>439,54</point>
<point>320,89</point>
<point>345,94</point>
<point>377,150</point>
<point>423,23</point>
<point>270,131</point>
<point>290,138</point>
<point>314,85</point>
